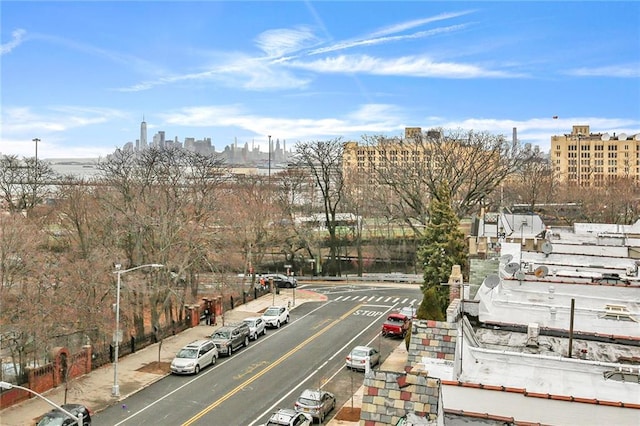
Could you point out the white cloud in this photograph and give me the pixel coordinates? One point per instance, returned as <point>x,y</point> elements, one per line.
<point>387,39</point>
<point>403,26</point>
<point>17,37</point>
<point>238,71</point>
<point>278,42</point>
<point>538,131</point>
<point>410,66</point>
<point>616,71</point>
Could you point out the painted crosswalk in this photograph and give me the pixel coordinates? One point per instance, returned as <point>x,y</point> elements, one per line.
<point>390,300</point>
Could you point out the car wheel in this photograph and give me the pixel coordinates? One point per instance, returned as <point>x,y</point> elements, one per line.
<point>229,350</point>
<point>264,331</point>
<point>213,360</point>
<point>286,321</point>
<point>246,341</point>
<point>278,324</point>
<point>197,369</point>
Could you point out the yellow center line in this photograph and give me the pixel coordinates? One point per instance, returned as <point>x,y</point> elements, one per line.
<point>267,369</point>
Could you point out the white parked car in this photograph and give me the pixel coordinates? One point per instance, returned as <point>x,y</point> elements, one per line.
<point>275,316</point>
<point>357,358</point>
<point>194,357</point>
<point>289,417</point>
<point>257,327</point>
<point>316,402</point>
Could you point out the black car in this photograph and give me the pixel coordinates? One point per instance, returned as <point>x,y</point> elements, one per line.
<point>57,417</point>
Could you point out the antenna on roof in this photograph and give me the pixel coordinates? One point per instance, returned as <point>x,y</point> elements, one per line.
<point>520,276</point>
<point>547,248</point>
<point>512,268</point>
<point>605,137</point>
<point>637,137</point>
<point>492,281</point>
<point>622,137</point>
<point>506,258</point>
<point>541,271</point>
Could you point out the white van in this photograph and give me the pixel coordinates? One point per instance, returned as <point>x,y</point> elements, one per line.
<point>194,357</point>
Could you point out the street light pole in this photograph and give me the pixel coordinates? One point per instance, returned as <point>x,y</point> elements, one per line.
<point>36,140</point>
<point>115,391</point>
<point>269,178</point>
<point>7,385</point>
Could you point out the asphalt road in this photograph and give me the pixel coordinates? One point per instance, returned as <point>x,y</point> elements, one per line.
<point>247,387</point>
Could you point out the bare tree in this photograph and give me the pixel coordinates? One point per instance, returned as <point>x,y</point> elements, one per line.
<point>323,160</point>
<point>163,208</point>
<point>532,184</point>
<point>24,184</point>
<point>296,195</point>
<point>472,163</point>
<point>251,221</point>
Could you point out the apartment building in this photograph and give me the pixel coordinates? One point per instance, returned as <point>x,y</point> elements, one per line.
<point>586,159</point>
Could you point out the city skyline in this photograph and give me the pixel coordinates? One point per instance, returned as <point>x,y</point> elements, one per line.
<point>237,72</point>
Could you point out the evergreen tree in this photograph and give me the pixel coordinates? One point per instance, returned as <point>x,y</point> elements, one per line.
<point>443,246</point>
<point>430,306</point>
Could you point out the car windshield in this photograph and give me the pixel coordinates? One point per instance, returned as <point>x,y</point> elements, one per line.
<point>221,335</point>
<point>250,323</point>
<point>308,402</point>
<point>187,353</point>
<point>272,312</point>
<point>53,419</point>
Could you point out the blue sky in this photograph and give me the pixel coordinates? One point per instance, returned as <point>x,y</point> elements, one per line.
<point>80,75</point>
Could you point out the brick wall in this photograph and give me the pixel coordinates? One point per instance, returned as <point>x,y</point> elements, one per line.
<point>390,396</point>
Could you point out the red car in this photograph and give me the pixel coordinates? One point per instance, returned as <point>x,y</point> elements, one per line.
<point>396,325</point>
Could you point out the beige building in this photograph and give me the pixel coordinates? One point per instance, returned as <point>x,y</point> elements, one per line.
<point>389,153</point>
<point>586,159</point>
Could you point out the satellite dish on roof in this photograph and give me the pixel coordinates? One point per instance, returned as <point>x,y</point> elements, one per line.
<point>605,137</point>
<point>512,268</point>
<point>520,275</point>
<point>622,137</point>
<point>541,271</point>
<point>506,258</point>
<point>492,281</point>
<point>547,247</point>
<point>637,137</point>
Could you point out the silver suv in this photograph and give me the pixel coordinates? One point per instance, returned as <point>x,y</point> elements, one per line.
<point>231,337</point>
<point>194,357</point>
<point>257,327</point>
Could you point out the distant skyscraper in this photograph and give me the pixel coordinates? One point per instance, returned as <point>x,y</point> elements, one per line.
<point>143,135</point>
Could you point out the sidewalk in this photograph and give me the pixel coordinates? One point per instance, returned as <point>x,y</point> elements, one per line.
<point>94,389</point>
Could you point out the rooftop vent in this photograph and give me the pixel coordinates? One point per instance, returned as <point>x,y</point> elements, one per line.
<point>533,331</point>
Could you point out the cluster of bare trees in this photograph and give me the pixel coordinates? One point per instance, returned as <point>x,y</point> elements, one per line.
<point>190,213</point>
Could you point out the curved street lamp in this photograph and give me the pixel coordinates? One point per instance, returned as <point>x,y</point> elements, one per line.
<point>115,391</point>
<point>7,385</point>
